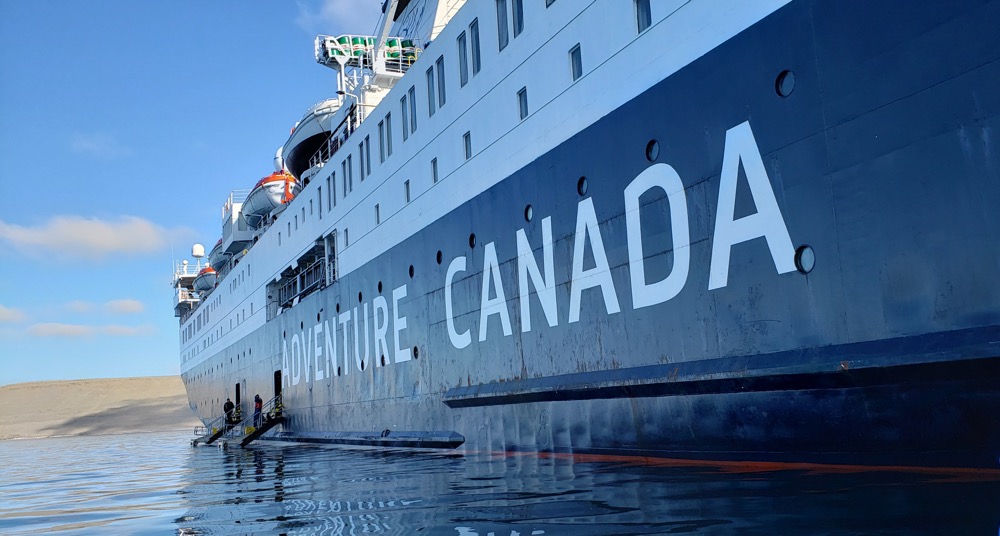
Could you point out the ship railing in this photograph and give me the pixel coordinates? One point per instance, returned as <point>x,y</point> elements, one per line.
<point>236,196</point>
<point>182,269</point>
<point>338,136</point>
<point>306,280</point>
<point>211,426</point>
<point>358,51</point>
<point>313,276</point>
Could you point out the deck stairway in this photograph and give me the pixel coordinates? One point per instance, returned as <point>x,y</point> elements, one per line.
<point>211,432</point>
<point>246,431</point>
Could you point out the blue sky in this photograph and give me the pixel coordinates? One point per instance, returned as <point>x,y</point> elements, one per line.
<point>123,128</point>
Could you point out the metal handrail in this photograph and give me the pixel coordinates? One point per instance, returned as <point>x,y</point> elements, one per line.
<point>270,409</point>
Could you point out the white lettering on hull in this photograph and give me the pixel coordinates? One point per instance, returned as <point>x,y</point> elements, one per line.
<point>767,222</point>
<point>314,354</point>
<point>545,288</point>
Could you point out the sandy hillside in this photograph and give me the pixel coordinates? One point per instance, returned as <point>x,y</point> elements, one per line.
<point>90,407</point>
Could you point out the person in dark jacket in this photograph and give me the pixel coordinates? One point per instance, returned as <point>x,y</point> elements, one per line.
<point>227,410</point>
<point>258,404</point>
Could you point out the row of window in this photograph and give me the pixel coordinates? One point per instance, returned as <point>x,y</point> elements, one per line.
<point>468,46</point>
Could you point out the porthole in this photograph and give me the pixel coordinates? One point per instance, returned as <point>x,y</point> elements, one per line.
<point>380,287</point>
<point>785,83</point>
<point>302,325</point>
<point>416,352</point>
<point>338,308</point>
<point>359,297</point>
<point>805,259</point>
<point>362,366</point>
<point>317,317</point>
<point>528,213</point>
<point>652,150</point>
<point>383,360</point>
<point>472,240</point>
<point>284,335</point>
<point>338,371</point>
<point>581,186</point>
<point>439,256</point>
<point>411,271</point>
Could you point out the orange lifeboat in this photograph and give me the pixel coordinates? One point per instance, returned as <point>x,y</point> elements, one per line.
<point>269,193</point>
<point>206,279</point>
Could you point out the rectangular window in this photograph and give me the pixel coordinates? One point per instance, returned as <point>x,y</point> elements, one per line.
<point>381,141</point>
<point>406,191</point>
<point>522,102</point>
<point>332,194</point>
<point>467,141</point>
<point>378,216</point>
<point>575,62</point>
<point>361,160</point>
<point>310,209</point>
<point>406,114</point>
<point>368,156</point>
<point>476,57</point>
<point>642,16</point>
<point>413,109</point>
<point>343,175</point>
<point>430,92</point>
<point>388,135</point>
<point>350,175</point>
<point>319,200</point>
<point>518,7</point>
<point>440,68</point>
<point>329,191</point>
<point>345,239</point>
<point>434,170</point>
<point>463,61</point>
<point>502,24</point>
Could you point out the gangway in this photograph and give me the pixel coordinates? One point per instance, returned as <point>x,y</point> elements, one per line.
<point>247,431</point>
<point>215,429</point>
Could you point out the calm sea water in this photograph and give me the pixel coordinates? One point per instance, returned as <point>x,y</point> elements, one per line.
<point>158,484</point>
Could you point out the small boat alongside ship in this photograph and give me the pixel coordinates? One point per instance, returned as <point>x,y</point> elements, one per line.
<point>719,230</point>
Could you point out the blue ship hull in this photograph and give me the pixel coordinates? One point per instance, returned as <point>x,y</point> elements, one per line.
<point>883,159</point>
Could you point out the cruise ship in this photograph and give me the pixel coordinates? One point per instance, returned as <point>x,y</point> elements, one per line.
<point>691,229</point>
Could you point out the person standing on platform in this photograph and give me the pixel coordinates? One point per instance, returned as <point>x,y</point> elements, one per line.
<point>258,404</point>
<point>227,410</point>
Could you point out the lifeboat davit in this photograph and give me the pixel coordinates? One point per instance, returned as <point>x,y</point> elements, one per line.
<point>216,256</point>
<point>205,280</point>
<point>270,192</point>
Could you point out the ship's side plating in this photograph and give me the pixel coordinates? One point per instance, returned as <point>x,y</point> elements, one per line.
<point>877,155</point>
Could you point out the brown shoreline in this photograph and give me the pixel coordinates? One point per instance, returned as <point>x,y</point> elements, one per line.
<point>94,407</point>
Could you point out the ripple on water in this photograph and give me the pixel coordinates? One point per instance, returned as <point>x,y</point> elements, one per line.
<point>157,483</point>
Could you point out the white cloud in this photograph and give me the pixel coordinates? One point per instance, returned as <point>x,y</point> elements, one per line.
<point>98,144</point>
<point>65,237</point>
<point>115,330</point>
<point>124,306</point>
<point>55,329</point>
<point>81,307</point>
<point>334,17</point>
<point>12,315</point>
